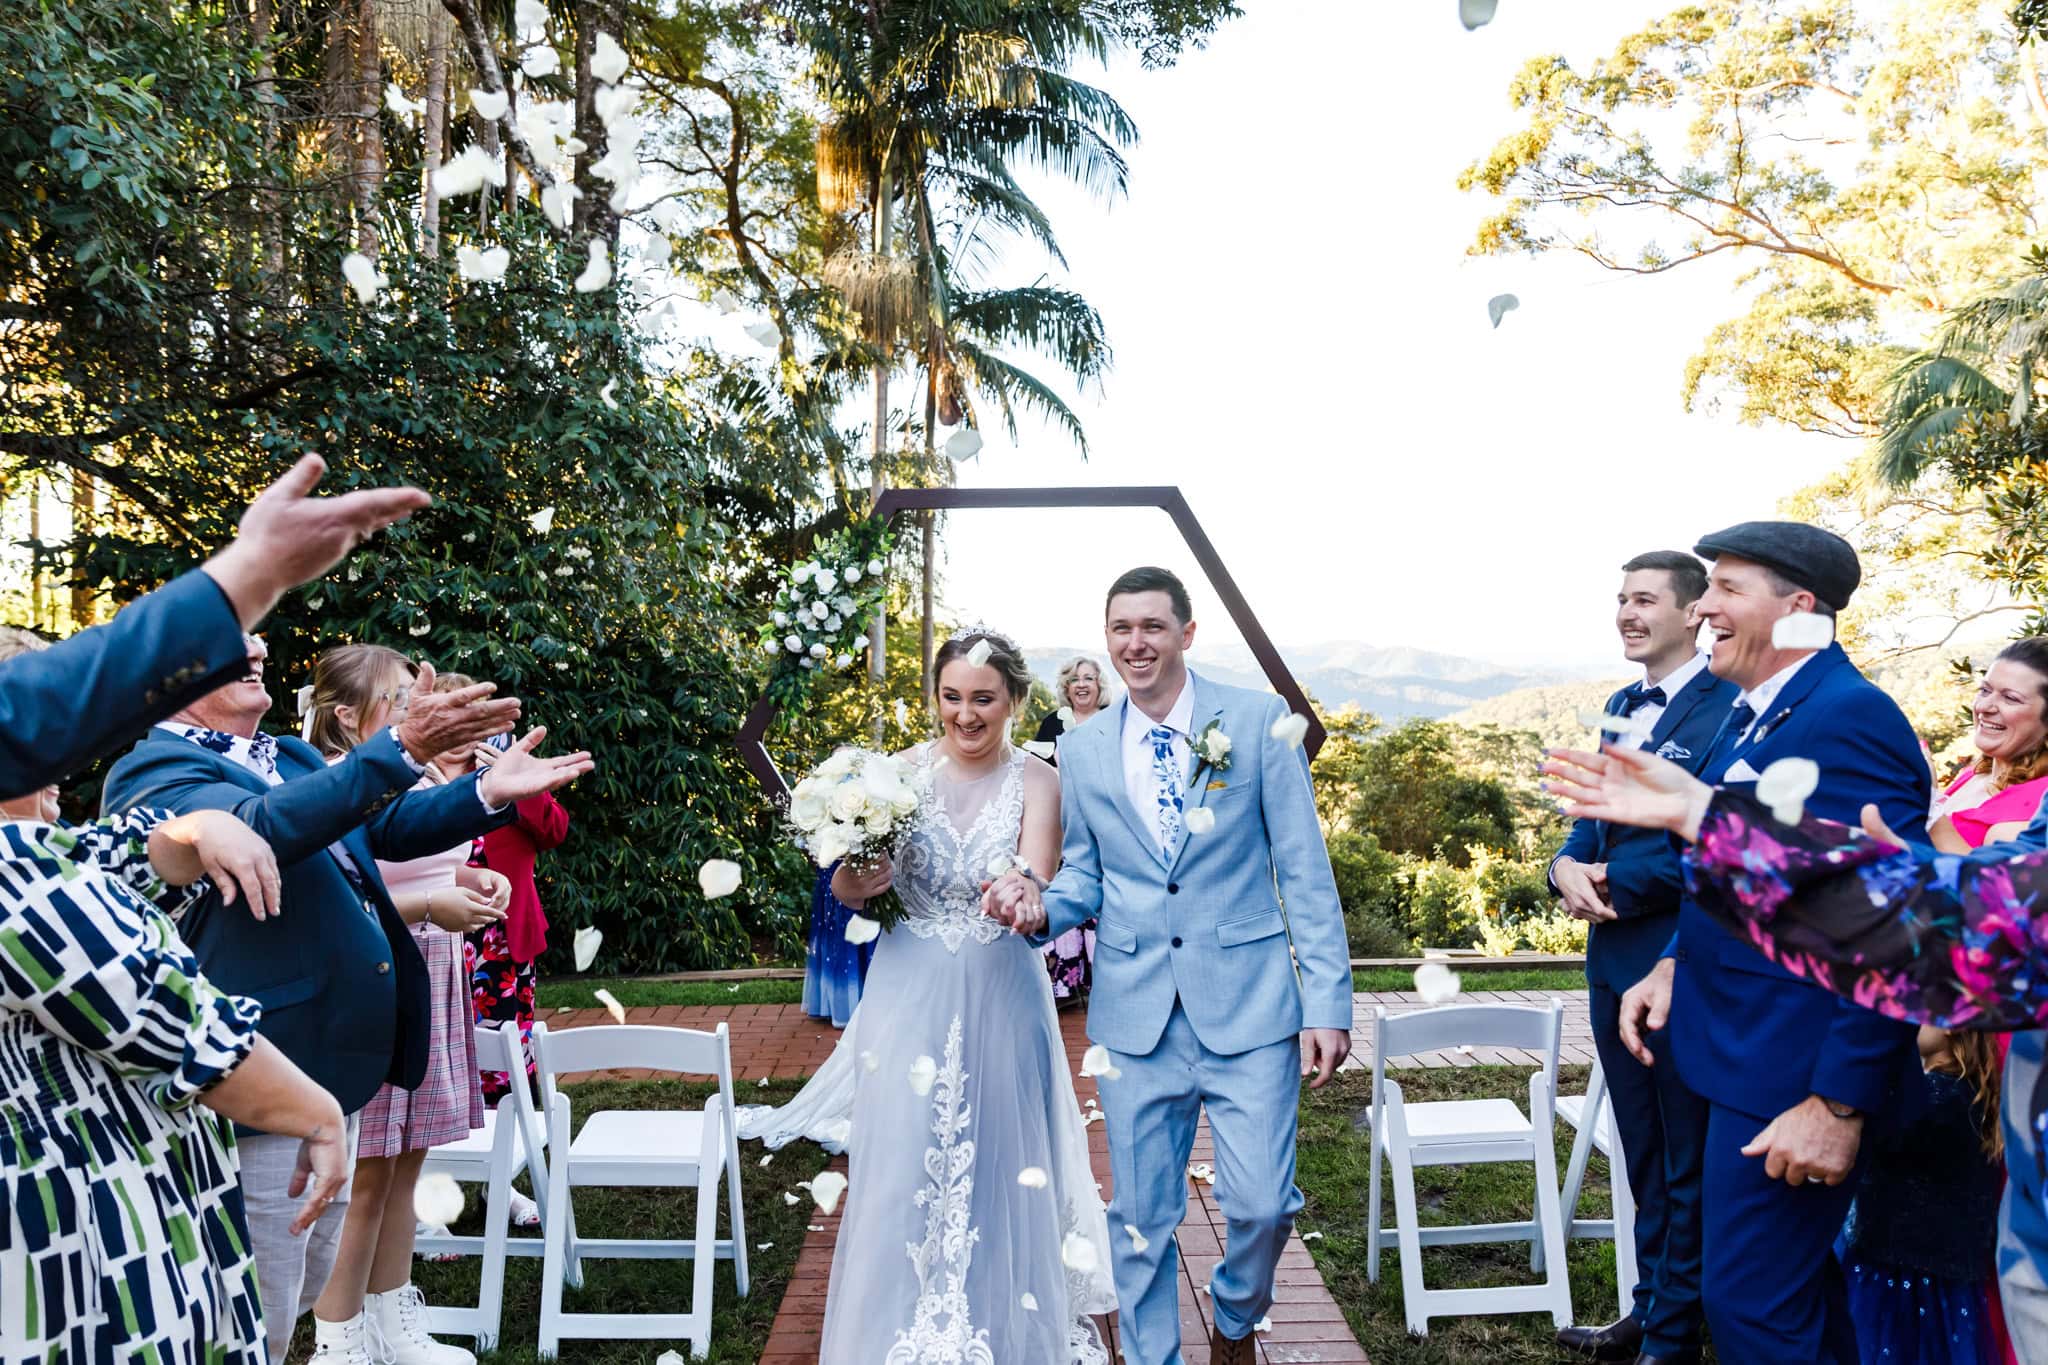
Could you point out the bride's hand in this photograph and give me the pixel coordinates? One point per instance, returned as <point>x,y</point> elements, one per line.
<point>1627,786</point>
<point>854,887</point>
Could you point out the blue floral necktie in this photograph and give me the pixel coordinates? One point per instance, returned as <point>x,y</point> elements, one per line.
<point>1166,787</point>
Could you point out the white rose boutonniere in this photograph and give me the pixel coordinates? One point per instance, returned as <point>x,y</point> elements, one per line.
<point>1212,748</point>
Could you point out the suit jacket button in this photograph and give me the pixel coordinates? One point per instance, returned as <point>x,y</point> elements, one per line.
<point>1173,888</point>
<point>1176,943</point>
<point>1680,954</point>
<point>383,968</point>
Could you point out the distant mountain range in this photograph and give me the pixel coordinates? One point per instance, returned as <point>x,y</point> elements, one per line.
<point>1393,682</point>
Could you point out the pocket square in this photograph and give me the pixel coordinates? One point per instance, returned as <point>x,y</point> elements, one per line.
<point>1216,786</point>
<point>1740,771</point>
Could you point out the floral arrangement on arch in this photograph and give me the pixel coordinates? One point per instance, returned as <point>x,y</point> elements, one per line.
<point>819,621</point>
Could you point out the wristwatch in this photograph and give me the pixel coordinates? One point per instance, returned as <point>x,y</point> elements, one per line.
<point>1842,1111</point>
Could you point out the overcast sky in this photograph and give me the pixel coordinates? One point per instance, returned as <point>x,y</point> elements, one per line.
<point>1302,346</point>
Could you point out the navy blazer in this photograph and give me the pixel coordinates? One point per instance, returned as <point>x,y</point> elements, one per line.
<point>63,707</point>
<point>344,995</point>
<point>1746,1033</point>
<point>1642,868</point>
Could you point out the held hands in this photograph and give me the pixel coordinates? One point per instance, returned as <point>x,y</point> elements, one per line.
<point>1645,1008</point>
<point>1628,787</point>
<point>461,909</point>
<point>494,887</point>
<point>436,722</point>
<point>519,772</point>
<point>214,844</point>
<point>1013,899</point>
<point>855,886</point>
<point>1807,1145</point>
<point>1584,889</point>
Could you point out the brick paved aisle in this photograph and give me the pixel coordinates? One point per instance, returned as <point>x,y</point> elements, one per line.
<point>781,1041</point>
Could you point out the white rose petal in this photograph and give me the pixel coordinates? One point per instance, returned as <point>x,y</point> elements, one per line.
<point>437,1199</point>
<point>770,1157</point>
<point>766,333</point>
<point>1500,305</point>
<point>718,877</point>
<point>608,60</point>
<point>486,266</point>
<point>725,301</point>
<point>675,1357</point>
<point>556,201</point>
<point>611,1004</point>
<point>790,1199</point>
<point>489,104</point>
<point>397,103</point>
<point>1028,1302</point>
<point>530,15</point>
<point>542,61</point>
<point>1636,727</point>
<point>542,521</point>
<point>826,1187</point>
<point>1785,785</point>
<point>1802,630</point>
<point>923,1073</point>
<point>598,273</point>
<point>964,444</point>
<point>1476,13</point>
<point>363,276</point>
<point>1311,1236</point>
<point>468,171</point>
<point>861,929</point>
<point>1200,820</point>
<point>1436,982</point>
<point>1077,1253</point>
<point>604,394</point>
<point>1291,729</point>
<point>1263,1325</point>
<point>870,1063</point>
<point>588,940</point>
<point>842,661</point>
<point>902,712</point>
<point>979,655</point>
<point>1032,1177</point>
<point>1138,1239</point>
<point>1096,1062</point>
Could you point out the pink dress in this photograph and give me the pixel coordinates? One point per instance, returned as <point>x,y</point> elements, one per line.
<point>449,1101</point>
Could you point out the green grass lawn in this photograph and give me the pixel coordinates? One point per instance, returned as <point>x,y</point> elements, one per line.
<point>574,992</point>
<point>1333,1170</point>
<point>739,1327</point>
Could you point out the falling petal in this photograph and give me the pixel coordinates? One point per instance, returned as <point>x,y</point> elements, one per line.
<point>790,1199</point>
<point>542,61</point>
<point>979,655</point>
<point>614,103</point>
<point>870,1063</point>
<point>1785,785</point>
<point>362,276</point>
<point>860,929</point>
<point>1635,727</point>
<point>468,171</point>
<point>1138,1239</point>
<point>1802,630</point>
<point>767,333</point>
<point>486,266</point>
<point>489,104</point>
<point>1032,1177</point>
<point>437,1199</point>
<point>724,302</point>
<point>1028,1302</point>
<point>1077,1253</point>
<point>718,877</point>
<point>530,15</point>
<point>608,60</point>
<point>826,1187</point>
<point>923,1072</point>
<point>761,1084</point>
<point>542,521</point>
<point>556,201</point>
<point>1263,1325</point>
<point>1436,982</point>
<point>1311,1236</point>
<point>658,250</point>
<point>1096,1062</point>
<point>1476,13</point>
<point>1291,729</point>
<point>1200,820</point>
<point>964,444</point>
<point>666,213</point>
<point>598,273</point>
<point>604,395</point>
<point>1500,305</point>
<point>675,1357</point>
<point>397,103</point>
<point>611,1004</point>
<point>770,1157</point>
<point>587,942</point>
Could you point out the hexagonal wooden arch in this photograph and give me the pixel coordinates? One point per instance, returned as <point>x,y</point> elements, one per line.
<point>753,733</point>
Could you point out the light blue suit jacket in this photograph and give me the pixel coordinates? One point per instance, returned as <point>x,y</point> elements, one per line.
<point>1211,924</point>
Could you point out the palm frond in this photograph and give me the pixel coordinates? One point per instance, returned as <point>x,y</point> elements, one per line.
<point>1931,394</point>
<point>1014,388</point>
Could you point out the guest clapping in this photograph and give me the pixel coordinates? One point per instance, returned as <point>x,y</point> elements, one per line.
<point>343,987</point>
<point>1995,797</point>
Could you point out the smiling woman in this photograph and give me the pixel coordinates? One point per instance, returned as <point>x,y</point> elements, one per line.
<point>1993,798</point>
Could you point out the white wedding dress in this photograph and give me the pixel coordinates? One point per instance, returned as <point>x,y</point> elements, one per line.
<point>951,1080</point>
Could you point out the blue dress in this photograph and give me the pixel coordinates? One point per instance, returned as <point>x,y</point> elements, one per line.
<point>1916,1250</point>
<point>834,969</point>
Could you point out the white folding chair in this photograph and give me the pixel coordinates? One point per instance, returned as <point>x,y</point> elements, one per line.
<point>1603,1136</point>
<point>1467,1132</point>
<point>659,1148</point>
<point>511,1140</point>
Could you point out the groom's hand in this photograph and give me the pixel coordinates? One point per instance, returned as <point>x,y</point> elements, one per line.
<point>1323,1050</point>
<point>1012,899</point>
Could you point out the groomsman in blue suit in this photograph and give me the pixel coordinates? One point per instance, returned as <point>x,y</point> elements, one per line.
<point>1782,1075</point>
<point>1624,881</point>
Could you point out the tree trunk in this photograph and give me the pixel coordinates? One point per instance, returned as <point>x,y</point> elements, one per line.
<point>487,138</point>
<point>435,132</point>
<point>84,515</point>
<point>269,201</point>
<point>594,216</point>
<point>878,630</point>
<point>369,140</point>
<point>929,538</point>
<point>35,535</point>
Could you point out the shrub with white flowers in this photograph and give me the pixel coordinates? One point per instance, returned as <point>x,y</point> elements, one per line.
<point>819,621</point>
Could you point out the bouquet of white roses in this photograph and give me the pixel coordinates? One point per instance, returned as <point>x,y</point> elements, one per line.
<point>857,807</point>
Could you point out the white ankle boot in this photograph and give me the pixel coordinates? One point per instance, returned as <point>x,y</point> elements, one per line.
<point>342,1343</point>
<point>398,1319</point>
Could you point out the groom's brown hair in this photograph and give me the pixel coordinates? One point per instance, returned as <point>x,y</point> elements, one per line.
<point>1148,578</point>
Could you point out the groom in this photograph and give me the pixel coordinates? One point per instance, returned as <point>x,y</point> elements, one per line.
<point>1186,829</point>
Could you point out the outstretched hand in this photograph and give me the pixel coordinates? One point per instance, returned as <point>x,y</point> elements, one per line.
<point>519,772</point>
<point>1627,786</point>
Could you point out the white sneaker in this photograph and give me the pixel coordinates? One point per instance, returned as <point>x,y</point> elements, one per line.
<point>343,1343</point>
<point>525,1213</point>
<point>398,1321</point>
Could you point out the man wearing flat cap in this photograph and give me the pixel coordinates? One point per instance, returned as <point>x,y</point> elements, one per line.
<point>1783,1077</point>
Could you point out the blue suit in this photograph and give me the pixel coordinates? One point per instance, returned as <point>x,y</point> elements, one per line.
<point>344,992</point>
<point>1210,959</point>
<point>63,707</point>
<point>1751,1040</point>
<point>1644,886</point>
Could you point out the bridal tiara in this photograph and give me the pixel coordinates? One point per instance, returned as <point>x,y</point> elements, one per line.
<point>984,629</point>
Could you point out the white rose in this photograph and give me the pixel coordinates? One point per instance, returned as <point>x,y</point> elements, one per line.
<point>880,823</point>
<point>831,844</point>
<point>848,801</point>
<point>808,663</point>
<point>826,580</point>
<point>841,764</point>
<point>844,605</point>
<point>843,661</point>
<point>1218,744</point>
<point>807,805</point>
<point>852,574</point>
<point>834,622</point>
<point>818,651</point>
<point>794,643</point>
<point>770,647</point>
<point>781,618</point>
<point>883,787</point>
<point>820,611</point>
<point>875,566</point>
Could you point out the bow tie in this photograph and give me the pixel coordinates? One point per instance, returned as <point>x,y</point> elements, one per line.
<point>1635,697</point>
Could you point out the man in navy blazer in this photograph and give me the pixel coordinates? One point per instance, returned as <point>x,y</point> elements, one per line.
<point>1783,1075</point>
<point>63,707</point>
<point>1625,882</point>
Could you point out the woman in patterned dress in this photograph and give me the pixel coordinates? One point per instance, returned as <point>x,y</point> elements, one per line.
<point>358,690</point>
<point>121,1222</point>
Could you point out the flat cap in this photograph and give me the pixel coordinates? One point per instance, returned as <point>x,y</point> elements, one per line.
<point>1819,561</point>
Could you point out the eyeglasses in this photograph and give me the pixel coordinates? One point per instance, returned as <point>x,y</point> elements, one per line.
<point>399,697</point>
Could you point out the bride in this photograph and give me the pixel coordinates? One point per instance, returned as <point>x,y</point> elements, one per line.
<point>973,1231</point>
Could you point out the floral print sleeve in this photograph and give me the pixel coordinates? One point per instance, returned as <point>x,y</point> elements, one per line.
<point>1920,936</point>
<point>119,846</point>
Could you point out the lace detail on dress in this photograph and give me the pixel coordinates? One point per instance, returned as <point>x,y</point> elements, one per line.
<point>943,868</point>
<point>942,1332</point>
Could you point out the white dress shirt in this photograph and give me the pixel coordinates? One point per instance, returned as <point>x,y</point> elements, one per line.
<point>1673,683</point>
<point>1139,783</point>
<point>1766,692</point>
